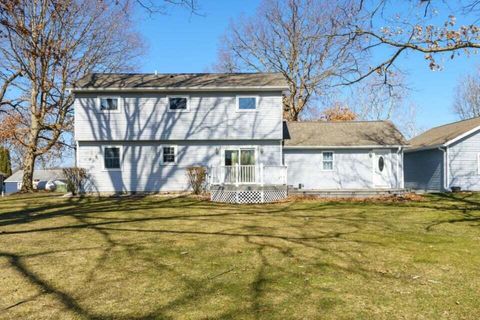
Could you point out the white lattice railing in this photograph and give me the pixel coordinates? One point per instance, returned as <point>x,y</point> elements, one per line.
<point>255,174</point>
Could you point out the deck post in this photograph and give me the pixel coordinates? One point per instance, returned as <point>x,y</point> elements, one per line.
<point>237,174</point>
<point>261,174</point>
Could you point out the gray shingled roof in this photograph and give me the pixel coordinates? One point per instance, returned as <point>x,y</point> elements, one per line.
<point>42,175</point>
<point>439,136</point>
<point>181,80</point>
<point>342,134</point>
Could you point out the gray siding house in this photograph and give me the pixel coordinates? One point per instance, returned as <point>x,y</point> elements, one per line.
<point>445,157</point>
<point>354,155</point>
<point>139,132</point>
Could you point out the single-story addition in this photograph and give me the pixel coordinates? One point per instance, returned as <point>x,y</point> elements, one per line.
<point>355,155</point>
<point>445,157</point>
<point>40,179</point>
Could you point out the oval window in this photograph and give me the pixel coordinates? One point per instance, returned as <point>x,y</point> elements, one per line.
<point>381,163</point>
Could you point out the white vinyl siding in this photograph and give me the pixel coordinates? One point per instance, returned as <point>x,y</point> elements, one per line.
<point>143,168</point>
<point>463,170</point>
<point>211,116</point>
<point>352,170</point>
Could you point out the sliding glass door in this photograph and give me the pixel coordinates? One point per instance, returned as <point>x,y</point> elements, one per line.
<point>240,165</point>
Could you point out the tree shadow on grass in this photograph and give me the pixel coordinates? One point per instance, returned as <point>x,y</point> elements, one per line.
<point>87,215</point>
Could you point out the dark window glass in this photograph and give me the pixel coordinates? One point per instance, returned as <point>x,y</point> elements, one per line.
<point>328,161</point>
<point>112,158</point>
<point>168,155</point>
<point>231,157</point>
<point>381,163</point>
<point>108,104</point>
<point>247,103</point>
<point>177,103</point>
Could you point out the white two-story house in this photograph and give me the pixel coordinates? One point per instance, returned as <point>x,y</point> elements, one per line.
<point>139,132</point>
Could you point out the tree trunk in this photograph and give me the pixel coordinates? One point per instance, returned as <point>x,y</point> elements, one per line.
<point>28,166</point>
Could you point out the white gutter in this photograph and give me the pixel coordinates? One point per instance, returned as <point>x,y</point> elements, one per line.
<point>177,89</point>
<point>402,178</point>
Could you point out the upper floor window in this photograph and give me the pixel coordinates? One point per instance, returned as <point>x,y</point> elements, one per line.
<point>169,154</point>
<point>327,160</point>
<point>178,103</point>
<point>109,103</point>
<point>246,103</point>
<point>111,157</point>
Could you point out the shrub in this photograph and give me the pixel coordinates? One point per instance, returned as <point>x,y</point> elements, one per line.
<point>197,176</point>
<point>76,178</point>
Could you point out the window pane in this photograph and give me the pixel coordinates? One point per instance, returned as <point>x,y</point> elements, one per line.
<point>247,157</point>
<point>168,154</point>
<point>328,156</point>
<point>109,104</point>
<point>247,103</point>
<point>327,165</point>
<point>112,158</point>
<point>177,103</point>
<point>231,157</point>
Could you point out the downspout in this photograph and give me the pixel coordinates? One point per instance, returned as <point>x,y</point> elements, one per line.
<point>445,168</point>
<point>400,175</point>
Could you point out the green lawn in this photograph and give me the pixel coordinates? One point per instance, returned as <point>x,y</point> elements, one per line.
<point>185,258</point>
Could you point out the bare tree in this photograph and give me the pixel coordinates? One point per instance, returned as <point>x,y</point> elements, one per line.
<point>300,39</point>
<point>467,97</point>
<point>50,44</point>
<point>372,100</point>
<point>413,25</point>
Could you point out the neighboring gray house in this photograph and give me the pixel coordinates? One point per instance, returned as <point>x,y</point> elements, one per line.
<point>444,157</point>
<point>40,178</point>
<point>139,132</point>
<point>344,155</point>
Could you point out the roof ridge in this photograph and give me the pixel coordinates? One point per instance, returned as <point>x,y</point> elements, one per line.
<point>182,73</point>
<point>452,123</point>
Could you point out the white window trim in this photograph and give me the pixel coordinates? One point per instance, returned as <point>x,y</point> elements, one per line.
<point>478,163</point>
<point>175,152</point>
<point>120,156</point>
<point>333,161</point>
<point>119,104</point>
<point>257,98</point>
<point>178,96</point>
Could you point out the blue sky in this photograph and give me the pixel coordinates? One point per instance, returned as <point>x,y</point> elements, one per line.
<point>181,42</point>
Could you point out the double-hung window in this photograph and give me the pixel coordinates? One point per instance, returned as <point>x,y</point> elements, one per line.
<point>327,161</point>
<point>112,158</point>
<point>246,103</point>
<point>109,103</point>
<point>178,103</point>
<point>169,154</point>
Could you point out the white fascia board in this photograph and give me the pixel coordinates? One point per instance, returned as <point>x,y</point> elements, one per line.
<point>463,135</point>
